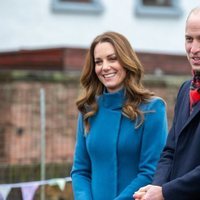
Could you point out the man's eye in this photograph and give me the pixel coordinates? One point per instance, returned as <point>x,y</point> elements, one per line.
<point>188,39</point>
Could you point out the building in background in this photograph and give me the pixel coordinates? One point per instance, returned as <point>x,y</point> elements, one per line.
<point>154,28</point>
<point>151,25</point>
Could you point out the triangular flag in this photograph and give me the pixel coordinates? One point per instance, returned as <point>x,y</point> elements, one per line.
<point>52,182</point>
<point>61,183</point>
<point>58,181</point>
<point>29,191</point>
<point>5,191</point>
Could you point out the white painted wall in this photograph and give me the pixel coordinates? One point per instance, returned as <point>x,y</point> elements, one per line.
<point>31,24</point>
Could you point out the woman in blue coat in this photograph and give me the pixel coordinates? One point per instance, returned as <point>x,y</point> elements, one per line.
<point>122,127</point>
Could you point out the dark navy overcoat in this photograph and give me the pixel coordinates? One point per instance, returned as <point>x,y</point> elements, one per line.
<point>178,171</point>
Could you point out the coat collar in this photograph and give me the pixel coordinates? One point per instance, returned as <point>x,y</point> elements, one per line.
<point>185,118</point>
<point>194,113</point>
<point>113,100</point>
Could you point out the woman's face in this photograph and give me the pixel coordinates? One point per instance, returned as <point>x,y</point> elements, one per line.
<point>107,67</point>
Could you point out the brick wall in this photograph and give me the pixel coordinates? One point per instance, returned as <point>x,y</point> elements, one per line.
<point>20,122</point>
<point>65,59</point>
<point>20,118</point>
<point>164,64</point>
<point>19,100</point>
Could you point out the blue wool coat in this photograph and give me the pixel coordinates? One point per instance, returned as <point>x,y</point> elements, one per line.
<point>115,158</point>
<point>179,168</point>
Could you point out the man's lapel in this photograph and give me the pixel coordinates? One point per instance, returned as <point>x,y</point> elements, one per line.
<point>187,119</point>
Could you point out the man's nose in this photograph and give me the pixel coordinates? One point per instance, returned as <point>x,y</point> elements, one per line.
<point>195,47</point>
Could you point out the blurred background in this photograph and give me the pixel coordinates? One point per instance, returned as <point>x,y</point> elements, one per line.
<point>43,44</point>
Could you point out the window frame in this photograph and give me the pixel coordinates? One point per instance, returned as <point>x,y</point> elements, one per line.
<point>93,7</point>
<point>158,11</point>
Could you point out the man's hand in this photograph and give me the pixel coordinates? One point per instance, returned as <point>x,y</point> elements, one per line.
<point>154,193</point>
<point>149,192</point>
<point>140,194</point>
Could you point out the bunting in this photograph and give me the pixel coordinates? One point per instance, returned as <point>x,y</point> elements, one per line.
<point>29,191</point>
<point>4,192</point>
<point>29,188</point>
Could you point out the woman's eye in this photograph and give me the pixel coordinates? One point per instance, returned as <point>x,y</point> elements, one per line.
<point>113,58</point>
<point>98,62</point>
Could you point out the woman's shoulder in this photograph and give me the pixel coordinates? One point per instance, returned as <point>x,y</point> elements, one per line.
<point>154,102</point>
<point>157,99</point>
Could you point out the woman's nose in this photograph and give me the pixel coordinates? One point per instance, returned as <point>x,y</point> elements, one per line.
<point>105,65</point>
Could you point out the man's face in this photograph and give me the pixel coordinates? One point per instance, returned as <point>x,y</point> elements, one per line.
<point>192,41</point>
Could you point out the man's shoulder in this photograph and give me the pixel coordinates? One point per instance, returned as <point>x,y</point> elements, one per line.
<point>184,90</point>
<point>185,85</point>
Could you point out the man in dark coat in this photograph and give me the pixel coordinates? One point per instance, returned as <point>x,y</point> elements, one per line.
<point>178,172</point>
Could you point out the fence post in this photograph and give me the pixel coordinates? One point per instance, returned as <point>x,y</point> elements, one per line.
<point>43,141</point>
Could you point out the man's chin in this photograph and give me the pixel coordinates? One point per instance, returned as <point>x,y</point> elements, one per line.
<point>196,68</point>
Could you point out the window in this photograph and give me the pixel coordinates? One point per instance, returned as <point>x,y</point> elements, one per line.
<point>79,6</point>
<point>158,8</point>
<point>166,3</point>
<point>85,1</point>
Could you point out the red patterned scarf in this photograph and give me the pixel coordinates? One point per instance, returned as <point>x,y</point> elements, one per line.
<point>195,89</point>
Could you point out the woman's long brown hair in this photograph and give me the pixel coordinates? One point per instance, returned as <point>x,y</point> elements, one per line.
<point>92,87</point>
